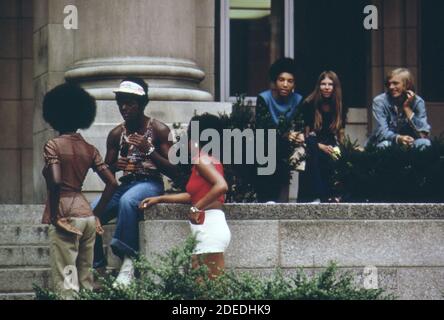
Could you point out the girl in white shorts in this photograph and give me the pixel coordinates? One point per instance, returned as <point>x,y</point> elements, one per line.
<point>205,190</point>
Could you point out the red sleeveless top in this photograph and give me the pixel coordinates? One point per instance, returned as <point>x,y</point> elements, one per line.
<point>198,187</point>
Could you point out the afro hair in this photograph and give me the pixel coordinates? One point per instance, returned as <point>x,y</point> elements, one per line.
<point>206,121</point>
<point>280,66</point>
<point>68,107</point>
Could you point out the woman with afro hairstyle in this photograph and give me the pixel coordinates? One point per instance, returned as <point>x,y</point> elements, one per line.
<point>277,108</point>
<point>205,191</point>
<point>68,157</point>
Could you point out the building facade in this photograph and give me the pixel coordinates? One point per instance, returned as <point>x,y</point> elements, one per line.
<point>197,55</point>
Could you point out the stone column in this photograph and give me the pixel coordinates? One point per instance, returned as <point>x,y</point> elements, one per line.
<point>152,39</point>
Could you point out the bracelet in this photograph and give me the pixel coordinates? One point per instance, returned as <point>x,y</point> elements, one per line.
<point>150,151</point>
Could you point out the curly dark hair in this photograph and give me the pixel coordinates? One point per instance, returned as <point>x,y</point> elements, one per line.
<point>142,101</point>
<point>207,121</point>
<point>68,107</point>
<point>280,66</point>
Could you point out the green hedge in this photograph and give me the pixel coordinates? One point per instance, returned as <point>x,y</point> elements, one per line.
<point>393,174</point>
<point>171,277</point>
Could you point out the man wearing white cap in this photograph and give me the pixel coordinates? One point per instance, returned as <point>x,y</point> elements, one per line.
<point>138,147</point>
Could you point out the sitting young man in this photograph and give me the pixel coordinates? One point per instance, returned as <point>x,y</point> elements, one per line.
<point>138,147</point>
<point>400,114</point>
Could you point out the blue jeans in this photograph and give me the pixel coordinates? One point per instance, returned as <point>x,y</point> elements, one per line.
<point>418,143</point>
<point>125,206</point>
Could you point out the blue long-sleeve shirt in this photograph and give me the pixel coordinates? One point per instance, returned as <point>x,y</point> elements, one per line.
<point>390,123</point>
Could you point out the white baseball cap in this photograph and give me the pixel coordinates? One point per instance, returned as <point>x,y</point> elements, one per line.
<point>131,88</point>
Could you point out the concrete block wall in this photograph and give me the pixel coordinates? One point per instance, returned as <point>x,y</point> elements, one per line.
<point>16,101</point>
<point>404,242</point>
<point>357,124</point>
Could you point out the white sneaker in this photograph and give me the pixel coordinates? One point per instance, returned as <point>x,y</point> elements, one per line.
<point>270,202</point>
<point>316,201</point>
<point>126,274</point>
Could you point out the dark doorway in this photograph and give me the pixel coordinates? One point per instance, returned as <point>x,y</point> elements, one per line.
<point>432,62</point>
<point>329,35</point>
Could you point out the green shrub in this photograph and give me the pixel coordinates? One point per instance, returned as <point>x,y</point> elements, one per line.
<point>393,174</point>
<point>171,277</point>
<point>243,180</point>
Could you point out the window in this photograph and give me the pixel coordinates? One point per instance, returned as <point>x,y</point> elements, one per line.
<point>432,85</point>
<point>329,35</point>
<point>319,34</point>
<point>254,33</point>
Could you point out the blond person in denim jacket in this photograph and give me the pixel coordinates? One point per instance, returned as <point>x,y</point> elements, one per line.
<point>400,115</point>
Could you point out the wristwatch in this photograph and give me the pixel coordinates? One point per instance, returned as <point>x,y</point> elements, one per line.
<point>196,216</point>
<point>194,210</point>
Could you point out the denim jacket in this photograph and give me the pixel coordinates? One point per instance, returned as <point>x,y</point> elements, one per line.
<point>390,123</point>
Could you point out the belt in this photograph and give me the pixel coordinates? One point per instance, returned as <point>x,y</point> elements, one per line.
<point>139,178</point>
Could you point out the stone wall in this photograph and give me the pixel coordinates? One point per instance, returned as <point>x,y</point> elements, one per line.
<point>16,101</point>
<point>405,242</point>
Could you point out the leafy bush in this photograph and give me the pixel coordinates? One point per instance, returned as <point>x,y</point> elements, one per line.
<point>171,277</point>
<point>393,174</point>
<point>242,179</point>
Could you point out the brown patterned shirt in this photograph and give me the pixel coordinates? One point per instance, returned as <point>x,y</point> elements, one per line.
<point>75,157</point>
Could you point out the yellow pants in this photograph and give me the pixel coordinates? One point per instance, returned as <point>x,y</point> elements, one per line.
<point>72,257</point>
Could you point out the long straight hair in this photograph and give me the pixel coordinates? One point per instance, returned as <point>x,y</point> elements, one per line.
<point>335,102</point>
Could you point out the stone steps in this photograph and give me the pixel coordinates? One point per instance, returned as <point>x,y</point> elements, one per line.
<point>24,251</point>
<point>16,280</point>
<point>21,214</point>
<point>17,296</point>
<point>16,234</point>
<point>24,256</point>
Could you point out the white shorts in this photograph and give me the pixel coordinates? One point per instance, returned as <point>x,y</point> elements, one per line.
<point>213,236</point>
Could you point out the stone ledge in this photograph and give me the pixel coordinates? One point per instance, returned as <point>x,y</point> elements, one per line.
<point>31,214</point>
<point>21,214</point>
<point>16,234</point>
<point>356,243</point>
<point>404,241</point>
<point>295,211</point>
<point>17,296</point>
<point>20,280</point>
<point>36,256</point>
